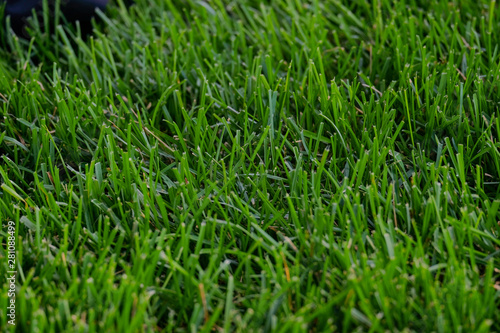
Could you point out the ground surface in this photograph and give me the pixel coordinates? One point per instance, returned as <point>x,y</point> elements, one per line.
<point>255,166</point>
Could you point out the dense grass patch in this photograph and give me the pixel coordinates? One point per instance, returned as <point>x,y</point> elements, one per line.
<point>245,166</point>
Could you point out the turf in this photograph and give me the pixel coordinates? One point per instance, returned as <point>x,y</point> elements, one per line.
<point>254,166</point>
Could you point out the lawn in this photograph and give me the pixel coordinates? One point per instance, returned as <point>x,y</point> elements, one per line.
<point>254,166</point>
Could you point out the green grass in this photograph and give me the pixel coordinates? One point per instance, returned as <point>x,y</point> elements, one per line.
<point>255,166</point>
